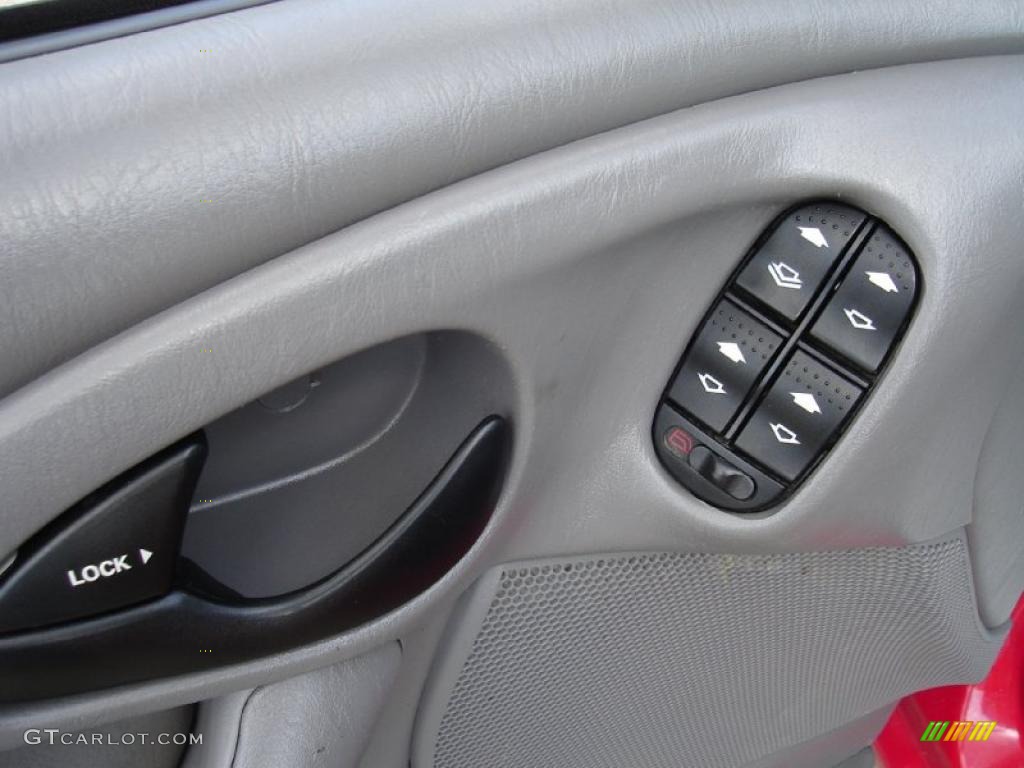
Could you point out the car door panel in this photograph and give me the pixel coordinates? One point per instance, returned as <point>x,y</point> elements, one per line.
<point>569,187</point>
<point>151,167</point>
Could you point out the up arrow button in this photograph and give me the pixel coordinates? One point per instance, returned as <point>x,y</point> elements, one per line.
<point>789,266</point>
<point>871,304</point>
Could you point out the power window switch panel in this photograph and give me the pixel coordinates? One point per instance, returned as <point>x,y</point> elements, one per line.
<point>722,364</point>
<point>789,267</point>
<point>116,548</point>
<point>798,416</point>
<point>871,304</point>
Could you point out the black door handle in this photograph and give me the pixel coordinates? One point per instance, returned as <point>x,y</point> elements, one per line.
<point>186,632</point>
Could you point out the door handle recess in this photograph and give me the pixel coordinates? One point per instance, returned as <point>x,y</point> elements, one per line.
<point>185,632</point>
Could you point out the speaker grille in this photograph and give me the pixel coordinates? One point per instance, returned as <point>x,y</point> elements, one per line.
<point>653,660</point>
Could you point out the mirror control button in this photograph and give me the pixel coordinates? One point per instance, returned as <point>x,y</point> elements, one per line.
<point>797,417</point>
<point>713,472</point>
<point>717,470</point>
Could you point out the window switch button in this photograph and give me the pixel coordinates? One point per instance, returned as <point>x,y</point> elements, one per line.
<point>871,304</point>
<point>722,364</point>
<point>789,267</point>
<point>796,418</point>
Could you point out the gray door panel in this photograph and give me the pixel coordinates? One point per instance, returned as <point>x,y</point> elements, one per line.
<point>143,170</point>
<point>572,186</point>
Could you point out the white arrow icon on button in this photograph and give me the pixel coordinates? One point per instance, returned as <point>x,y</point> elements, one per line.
<point>859,320</point>
<point>784,434</point>
<point>813,236</point>
<point>806,401</point>
<point>731,350</point>
<point>145,554</point>
<point>784,275</point>
<point>711,384</point>
<point>883,280</point>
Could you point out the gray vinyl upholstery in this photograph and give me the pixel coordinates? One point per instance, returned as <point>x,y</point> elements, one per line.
<point>570,183</point>
<point>662,660</point>
<point>591,305</point>
<point>141,171</point>
<point>322,718</point>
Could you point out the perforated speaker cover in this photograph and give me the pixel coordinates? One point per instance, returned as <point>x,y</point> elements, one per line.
<point>665,659</point>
